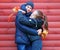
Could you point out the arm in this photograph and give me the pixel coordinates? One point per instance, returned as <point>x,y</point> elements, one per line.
<point>26,29</point>
<point>25,20</point>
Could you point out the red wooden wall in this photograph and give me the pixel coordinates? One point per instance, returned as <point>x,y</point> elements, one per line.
<point>7,29</point>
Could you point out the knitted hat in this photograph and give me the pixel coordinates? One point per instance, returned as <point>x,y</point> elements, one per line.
<point>30,3</point>
<point>23,6</point>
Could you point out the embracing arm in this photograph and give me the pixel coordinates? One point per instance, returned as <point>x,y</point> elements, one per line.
<point>26,29</point>
<point>25,20</point>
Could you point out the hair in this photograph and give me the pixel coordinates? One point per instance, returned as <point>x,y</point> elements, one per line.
<point>42,16</point>
<point>14,11</point>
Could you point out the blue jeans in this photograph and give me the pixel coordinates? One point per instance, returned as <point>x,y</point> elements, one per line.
<point>23,47</point>
<point>37,45</point>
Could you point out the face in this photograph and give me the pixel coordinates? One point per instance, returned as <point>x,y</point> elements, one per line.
<point>28,8</point>
<point>33,15</point>
<point>36,14</point>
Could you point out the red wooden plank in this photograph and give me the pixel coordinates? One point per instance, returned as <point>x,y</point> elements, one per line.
<point>12,24</point>
<point>7,44</point>
<point>54,30</point>
<point>51,48</point>
<point>7,37</point>
<point>46,11</point>
<point>12,30</point>
<point>51,43</point>
<point>8,48</point>
<point>53,18</point>
<point>50,18</point>
<point>45,43</point>
<point>5,18</point>
<point>38,1</point>
<point>44,48</point>
<point>53,37</point>
<point>7,30</point>
<point>10,37</point>
<point>7,24</point>
<point>42,5</point>
<point>15,1</point>
<point>54,24</point>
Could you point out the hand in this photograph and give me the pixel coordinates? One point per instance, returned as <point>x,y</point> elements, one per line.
<point>15,9</point>
<point>39,31</point>
<point>43,36</point>
<point>44,33</point>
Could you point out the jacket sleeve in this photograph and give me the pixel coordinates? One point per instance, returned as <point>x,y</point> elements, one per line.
<point>27,30</point>
<point>25,20</point>
<point>24,28</point>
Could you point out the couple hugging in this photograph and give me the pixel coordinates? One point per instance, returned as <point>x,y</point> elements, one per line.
<point>31,27</point>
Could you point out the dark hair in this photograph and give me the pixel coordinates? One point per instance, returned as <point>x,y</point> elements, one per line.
<point>45,23</point>
<point>42,16</point>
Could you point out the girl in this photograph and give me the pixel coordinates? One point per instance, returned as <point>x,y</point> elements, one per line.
<point>39,15</point>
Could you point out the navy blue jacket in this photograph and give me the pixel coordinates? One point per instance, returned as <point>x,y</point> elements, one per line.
<point>21,37</point>
<point>20,28</point>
